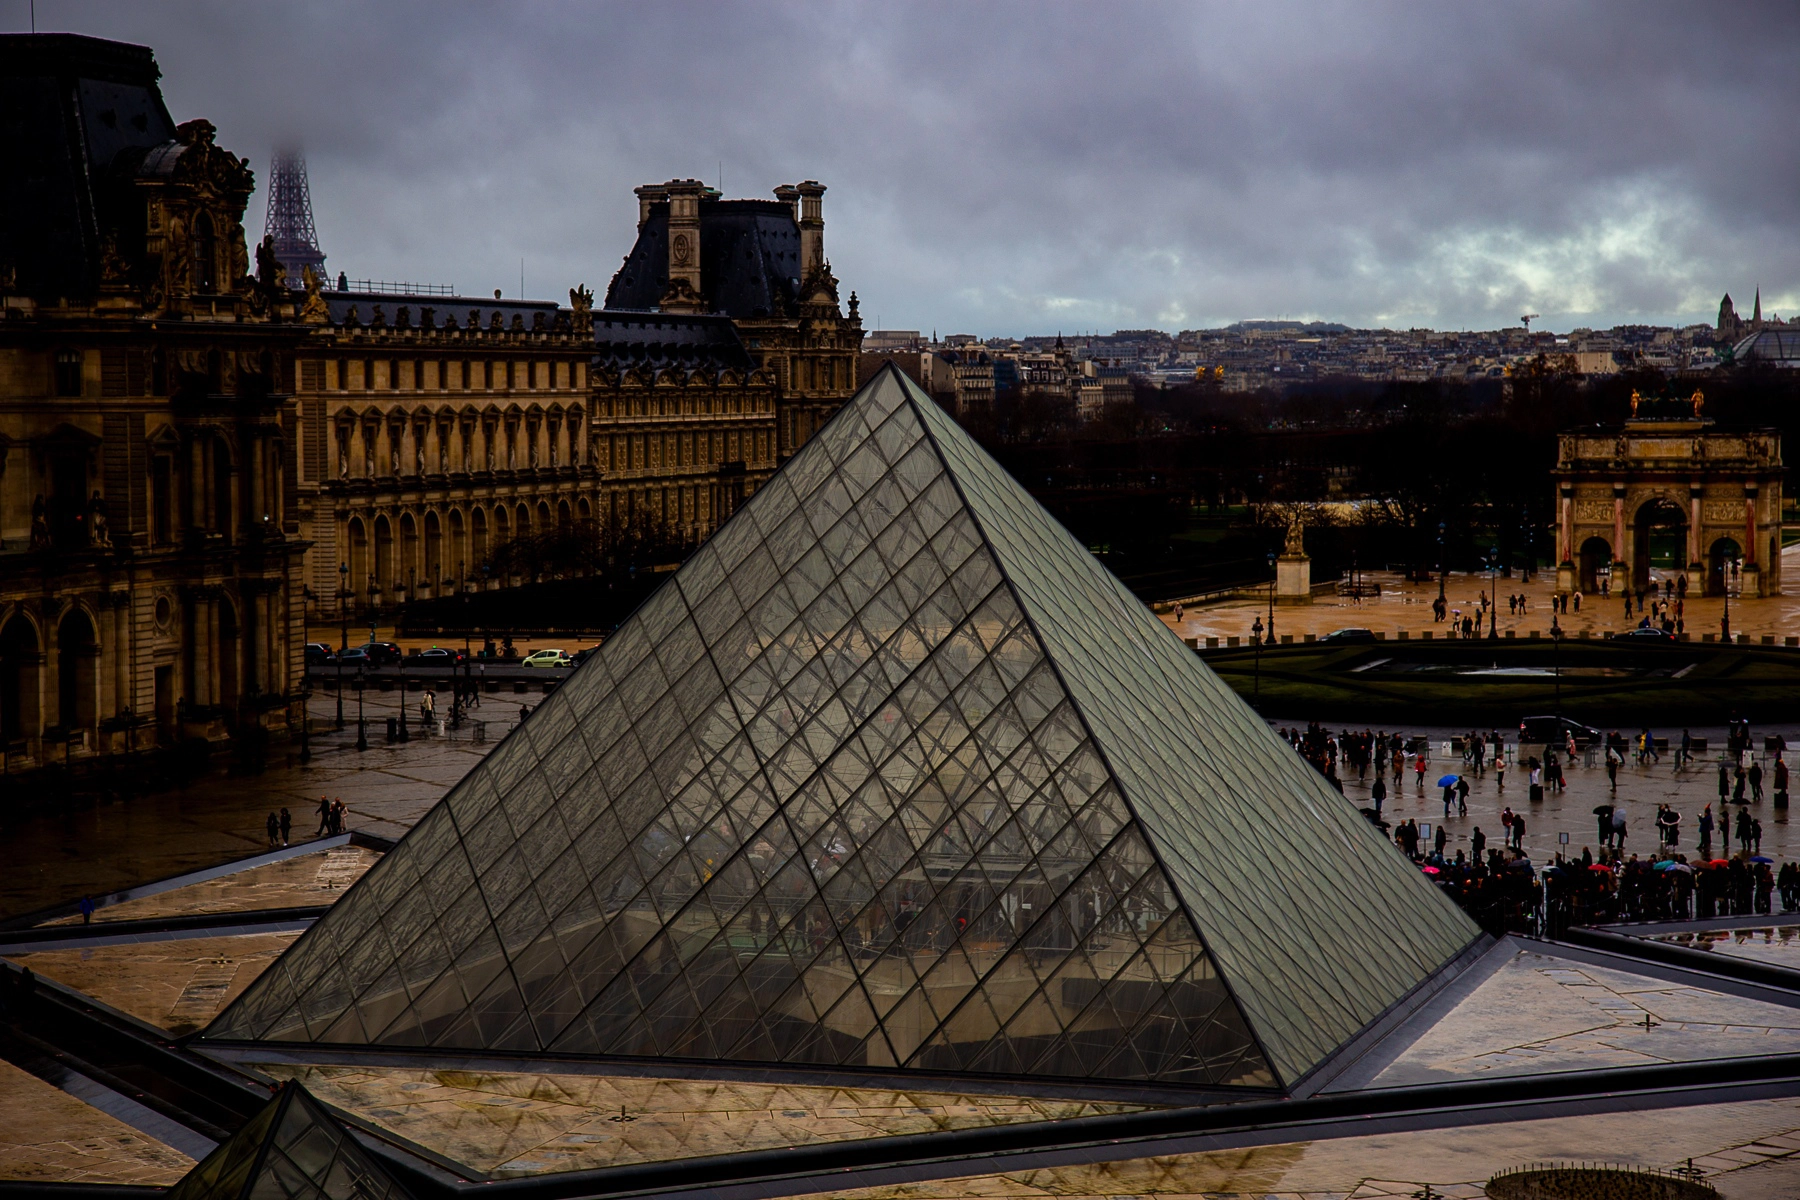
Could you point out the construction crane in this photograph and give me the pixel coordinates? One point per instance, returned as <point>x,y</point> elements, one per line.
<point>1528,318</point>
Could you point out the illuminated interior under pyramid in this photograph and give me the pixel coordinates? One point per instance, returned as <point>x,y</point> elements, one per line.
<point>892,775</point>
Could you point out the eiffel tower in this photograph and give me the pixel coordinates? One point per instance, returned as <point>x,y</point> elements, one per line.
<point>290,220</point>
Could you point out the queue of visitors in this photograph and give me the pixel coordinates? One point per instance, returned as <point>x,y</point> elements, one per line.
<point>1501,887</point>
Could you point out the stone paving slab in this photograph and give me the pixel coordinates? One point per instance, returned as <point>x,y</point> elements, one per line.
<point>1454,1163</point>
<point>1538,1013</point>
<point>178,984</point>
<point>510,1124</point>
<point>302,881</point>
<point>49,1136</point>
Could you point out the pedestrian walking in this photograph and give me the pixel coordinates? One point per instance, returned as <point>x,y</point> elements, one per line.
<point>1706,831</point>
<point>1737,786</point>
<point>1477,843</point>
<point>1619,831</point>
<point>1378,793</point>
<point>87,910</point>
<point>273,826</point>
<point>1519,832</point>
<point>324,817</point>
<point>286,824</point>
<point>1419,770</point>
<point>1756,778</point>
<point>1449,797</point>
<point>1462,795</point>
<point>1612,766</point>
<point>1535,790</point>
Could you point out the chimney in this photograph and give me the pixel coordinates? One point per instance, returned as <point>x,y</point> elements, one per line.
<point>683,293</point>
<point>789,195</point>
<point>812,227</point>
<point>649,195</point>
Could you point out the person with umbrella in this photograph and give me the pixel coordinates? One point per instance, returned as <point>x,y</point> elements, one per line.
<point>1603,814</point>
<point>1448,783</point>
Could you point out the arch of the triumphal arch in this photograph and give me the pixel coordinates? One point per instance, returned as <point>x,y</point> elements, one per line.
<point>1670,494</point>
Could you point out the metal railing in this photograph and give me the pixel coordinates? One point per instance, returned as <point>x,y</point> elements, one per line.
<point>400,289</point>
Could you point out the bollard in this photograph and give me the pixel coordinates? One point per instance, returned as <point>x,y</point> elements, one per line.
<point>393,729</point>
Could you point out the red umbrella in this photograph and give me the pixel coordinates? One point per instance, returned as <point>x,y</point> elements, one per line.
<point>1601,867</point>
<point>1429,870</point>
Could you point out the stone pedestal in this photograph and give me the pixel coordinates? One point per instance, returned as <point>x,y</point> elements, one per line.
<point>1565,578</point>
<point>1293,579</point>
<point>1750,580</point>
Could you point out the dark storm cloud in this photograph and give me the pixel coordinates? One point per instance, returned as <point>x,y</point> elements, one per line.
<point>1027,167</point>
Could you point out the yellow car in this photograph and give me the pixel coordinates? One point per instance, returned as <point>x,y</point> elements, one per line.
<point>547,658</point>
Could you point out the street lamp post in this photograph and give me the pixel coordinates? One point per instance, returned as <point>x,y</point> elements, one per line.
<point>1272,583</point>
<point>343,599</point>
<point>1556,635</point>
<point>1493,592</point>
<point>1729,569</point>
<point>1440,560</point>
<point>362,727</point>
<point>1256,631</point>
<point>306,594</point>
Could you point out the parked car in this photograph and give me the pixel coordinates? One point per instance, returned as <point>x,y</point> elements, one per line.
<point>355,658</point>
<point>1348,637</point>
<point>1645,633</point>
<point>437,656</point>
<point>581,656</point>
<point>1553,731</point>
<point>318,654</point>
<point>547,658</point>
<point>380,654</point>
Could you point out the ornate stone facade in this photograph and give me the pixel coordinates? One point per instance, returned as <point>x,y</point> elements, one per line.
<point>149,582</point>
<point>432,429</point>
<point>1668,492</point>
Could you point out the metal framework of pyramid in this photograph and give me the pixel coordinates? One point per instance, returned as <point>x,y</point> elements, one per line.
<point>291,1150</point>
<point>891,775</point>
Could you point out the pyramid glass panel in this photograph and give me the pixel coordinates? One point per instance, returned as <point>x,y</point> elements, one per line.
<point>891,775</point>
<point>291,1150</point>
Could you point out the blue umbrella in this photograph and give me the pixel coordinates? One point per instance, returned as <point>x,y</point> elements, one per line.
<point>1757,858</point>
<point>1448,780</point>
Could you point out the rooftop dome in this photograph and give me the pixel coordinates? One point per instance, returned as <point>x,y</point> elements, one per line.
<point>1776,347</point>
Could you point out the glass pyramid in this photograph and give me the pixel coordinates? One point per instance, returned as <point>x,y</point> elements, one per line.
<point>892,775</point>
<point>291,1150</point>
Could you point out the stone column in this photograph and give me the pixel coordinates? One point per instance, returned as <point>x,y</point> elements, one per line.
<point>384,446</point>
<point>1752,573</point>
<point>121,651</point>
<point>1696,565</point>
<point>202,650</point>
<point>199,480</point>
<point>1621,568</point>
<point>1566,580</point>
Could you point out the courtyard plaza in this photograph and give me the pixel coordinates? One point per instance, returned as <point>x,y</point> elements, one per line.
<point>1405,606</point>
<point>1641,787</point>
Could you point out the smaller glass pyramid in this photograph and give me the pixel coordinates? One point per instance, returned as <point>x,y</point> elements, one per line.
<point>292,1150</point>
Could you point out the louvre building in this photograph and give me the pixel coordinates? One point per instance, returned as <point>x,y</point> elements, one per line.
<point>891,850</point>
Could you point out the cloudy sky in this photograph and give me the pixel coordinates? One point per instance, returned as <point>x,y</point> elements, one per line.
<point>1028,167</point>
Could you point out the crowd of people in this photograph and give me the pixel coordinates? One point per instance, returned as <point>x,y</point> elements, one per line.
<point>1495,878</point>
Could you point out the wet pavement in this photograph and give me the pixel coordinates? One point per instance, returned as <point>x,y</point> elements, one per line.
<point>58,856</point>
<point>1640,790</point>
<point>1407,606</point>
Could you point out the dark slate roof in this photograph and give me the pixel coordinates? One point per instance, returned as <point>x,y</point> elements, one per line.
<point>466,309</point>
<point>749,260</point>
<point>623,340</point>
<point>69,107</point>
